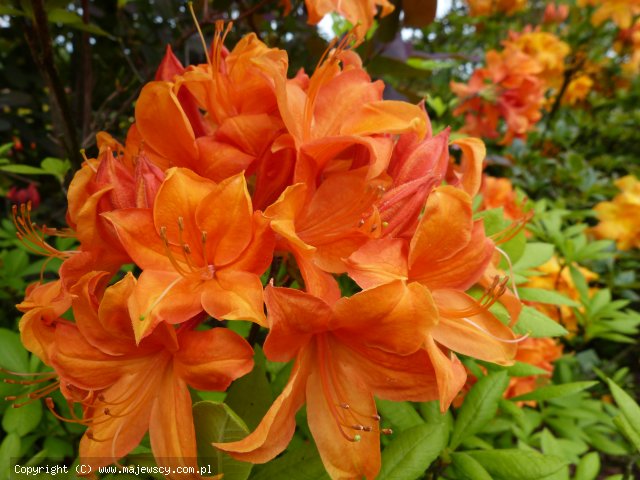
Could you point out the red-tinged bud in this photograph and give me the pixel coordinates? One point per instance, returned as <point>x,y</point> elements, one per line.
<point>148,178</point>
<point>113,173</point>
<point>24,195</point>
<point>169,67</point>
<point>555,13</point>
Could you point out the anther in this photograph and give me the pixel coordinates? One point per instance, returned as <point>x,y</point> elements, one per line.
<point>356,438</point>
<point>181,223</point>
<point>344,405</point>
<point>386,431</point>
<point>376,417</point>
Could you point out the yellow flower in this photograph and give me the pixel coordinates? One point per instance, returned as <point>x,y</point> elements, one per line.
<point>578,89</point>
<point>620,218</point>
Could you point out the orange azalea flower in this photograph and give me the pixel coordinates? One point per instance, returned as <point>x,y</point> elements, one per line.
<point>555,13</point>
<point>336,136</point>
<point>540,352</point>
<point>552,277</point>
<point>345,353</point>
<point>448,253</point>
<point>134,386</point>
<point>499,193</point>
<point>201,247</point>
<point>239,122</point>
<point>491,7</point>
<point>577,90</point>
<point>359,12</point>
<point>546,49</point>
<point>42,307</point>
<point>508,87</point>
<point>620,218</point>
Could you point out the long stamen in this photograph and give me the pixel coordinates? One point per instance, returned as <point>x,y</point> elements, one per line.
<point>160,297</point>
<point>186,251</point>
<point>513,280</point>
<point>32,237</point>
<point>169,254</point>
<point>197,24</point>
<point>52,409</point>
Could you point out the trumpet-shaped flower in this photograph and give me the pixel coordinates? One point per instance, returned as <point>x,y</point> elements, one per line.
<point>345,353</point>
<point>201,247</point>
<point>135,387</point>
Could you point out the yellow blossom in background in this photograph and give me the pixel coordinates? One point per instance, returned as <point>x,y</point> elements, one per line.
<point>620,218</point>
<point>554,277</point>
<point>620,12</point>
<point>546,49</point>
<point>491,7</point>
<point>628,42</point>
<point>577,90</point>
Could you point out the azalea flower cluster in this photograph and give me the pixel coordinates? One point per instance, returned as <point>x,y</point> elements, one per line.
<point>231,173</point>
<point>512,85</point>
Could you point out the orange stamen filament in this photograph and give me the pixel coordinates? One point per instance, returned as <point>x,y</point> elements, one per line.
<point>513,280</point>
<point>32,237</point>
<point>169,253</point>
<point>489,334</point>
<point>195,21</point>
<point>482,305</point>
<point>52,409</point>
<point>332,388</point>
<point>160,297</point>
<point>186,250</point>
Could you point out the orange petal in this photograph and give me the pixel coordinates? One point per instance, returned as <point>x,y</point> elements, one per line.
<point>212,359</point>
<point>278,425</point>
<point>450,373</point>
<point>480,336</point>
<point>392,317</point>
<point>156,103</point>
<point>343,458</point>
<point>386,116</point>
<point>379,261</point>
<point>294,317</point>
<point>234,295</point>
<point>226,216</point>
<point>444,229</point>
<point>473,154</point>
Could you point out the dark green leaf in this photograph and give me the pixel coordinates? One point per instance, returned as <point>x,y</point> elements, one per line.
<point>479,407</point>
<point>514,464</point>
<point>555,391</point>
<point>216,422</point>
<point>412,451</point>
<point>537,324</point>
<point>303,463</point>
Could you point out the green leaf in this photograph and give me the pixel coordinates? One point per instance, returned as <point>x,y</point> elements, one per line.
<point>401,415</point>
<point>534,255</point>
<point>431,413</point>
<point>5,10</point>
<point>630,411</point>
<point>9,451</point>
<point>55,166</point>
<point>549,297</point>
<point>520,369</point>
<point>627,430</point>
<point>216,422</point>
<point>303,463</point>
<point>250,396</point>
<point>555,391</point>
<point>588,467</point>
<point>479,407</point>
<point>467,468</point>
<point>412,451</point>
<point>22,420</point>
<point>13,356</point>
<point>537,324</point>
<point>22,169</point>
<point>511,464</point>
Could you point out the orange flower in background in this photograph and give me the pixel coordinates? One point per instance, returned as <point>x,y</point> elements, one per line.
<point>509,88</point>
<point>555,13</point>
<point>620,12</point>
<point>620,218</point>
<point>491,7</point>
<point>546,49</point>
<point>499,193</point>
<point>628,43</point>
<point>345,353</point>
<point>541,353</point>
<point>135,386</point>
<point>577,90</point>
<point>360,13</point>
<point>201,247</point>
<point>558,279</point>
